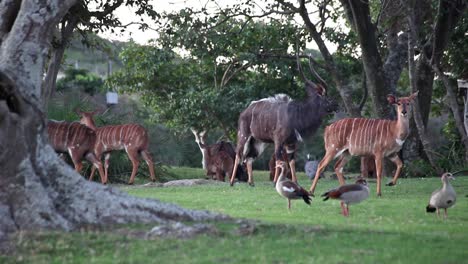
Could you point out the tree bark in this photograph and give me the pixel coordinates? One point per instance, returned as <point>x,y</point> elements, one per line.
<point>460,122</point>
<point>341,83</point>
<point>37,190</point>
<point>417,115</point>
<point>57,52</point>
<point>371,58</point>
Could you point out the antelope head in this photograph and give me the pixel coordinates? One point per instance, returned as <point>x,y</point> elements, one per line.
<point>87,118</point>
<point>403,104</point>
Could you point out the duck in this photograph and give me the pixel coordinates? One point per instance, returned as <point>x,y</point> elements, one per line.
<point>444,197</point>
<point>289,189</point>
<point>349,194</point>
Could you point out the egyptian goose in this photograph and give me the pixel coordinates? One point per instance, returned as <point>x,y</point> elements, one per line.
<point>349,194</point>
<point>289,189</point>
<point>444,197</point>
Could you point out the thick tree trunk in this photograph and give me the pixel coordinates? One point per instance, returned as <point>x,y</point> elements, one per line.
<point>57,52</point>
<point>417,112</point>
<point>372,61</point>
<point>37,190</point>
<point>424,84</point>
<point>460,122</point>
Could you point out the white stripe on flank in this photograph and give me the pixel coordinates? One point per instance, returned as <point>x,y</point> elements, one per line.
<point>376,133</point>
<point>66,135</point>
<point>286,189</point>
<point>387,130</point>
<point>371,139</point>
<point>361,134</point>
<point>339,132</point>
<point>120,135</point>
<point>351,135</point>
<point>381,133</point>
<point>368,139</point>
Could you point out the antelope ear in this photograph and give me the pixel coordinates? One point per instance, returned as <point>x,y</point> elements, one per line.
<point>320,90</point>
<point>391,99</point>
<point>414,95</point>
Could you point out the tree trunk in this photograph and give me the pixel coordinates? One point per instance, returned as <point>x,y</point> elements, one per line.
<point>371,59</point>
<point>465,118</point>
<point>417,114</point>
<point>57,52</point>
<point>343,88</point>
<point>424,84</point>
<point>460,122</point>
<point>37,190</point>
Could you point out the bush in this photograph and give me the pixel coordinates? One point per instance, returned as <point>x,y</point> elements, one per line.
<point>80,79</point>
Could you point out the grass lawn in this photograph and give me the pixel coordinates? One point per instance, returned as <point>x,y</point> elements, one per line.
<point>391,229</point>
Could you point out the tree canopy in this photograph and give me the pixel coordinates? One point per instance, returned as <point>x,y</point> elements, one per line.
<point>217,73</point>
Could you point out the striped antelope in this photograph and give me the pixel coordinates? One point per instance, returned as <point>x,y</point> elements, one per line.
<point>78,141</point>
<point>378,138</point>
<point>131,137</point>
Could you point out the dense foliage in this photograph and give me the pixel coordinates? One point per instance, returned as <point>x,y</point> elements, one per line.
<point>80,79</point>
<point>224,69</point>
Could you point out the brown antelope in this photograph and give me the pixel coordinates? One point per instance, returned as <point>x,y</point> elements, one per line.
<point>131,137</point>
<point>377,138</point>
<point>78,141</point>
<point>218,158</point>
<point>281,121</point>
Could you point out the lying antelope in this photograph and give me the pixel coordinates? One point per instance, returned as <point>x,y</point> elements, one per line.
<point>378,138</point>
<point>78,141</point>
<point>218,158</point>
<point>131,137</point>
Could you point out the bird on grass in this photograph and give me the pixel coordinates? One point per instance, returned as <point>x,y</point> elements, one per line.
<point>444,197</point>
<point>349,194</point>
<point>289,189</point>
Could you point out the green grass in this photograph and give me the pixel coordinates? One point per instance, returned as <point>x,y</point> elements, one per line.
<point>391,229</point>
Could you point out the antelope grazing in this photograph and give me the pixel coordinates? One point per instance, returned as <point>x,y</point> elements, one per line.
<point>281,121</point>
<point>131,137</point>
<point>78,141</point>
<point>377,138</point>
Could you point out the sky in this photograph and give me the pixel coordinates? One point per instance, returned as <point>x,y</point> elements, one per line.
<point>127,16</point>
<point>142,37</point>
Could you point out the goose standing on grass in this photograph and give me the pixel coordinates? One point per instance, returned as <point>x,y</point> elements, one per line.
<point>444,197</point>
<point>349,194</point>
<point>289,189</point>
